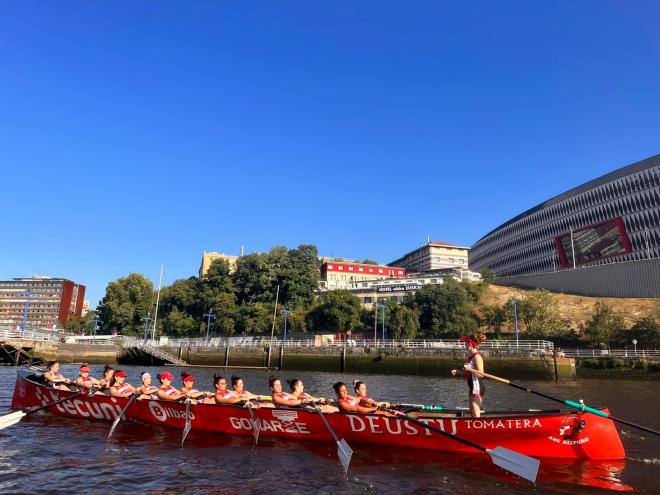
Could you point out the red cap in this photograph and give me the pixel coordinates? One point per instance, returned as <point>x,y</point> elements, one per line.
<point>468,339</point>
<point>188,378</point>
<point>84,369</point>
<point>167,374</point>
<point>120,373</point>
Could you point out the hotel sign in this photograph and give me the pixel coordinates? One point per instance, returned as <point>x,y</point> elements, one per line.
<point>398,288</point>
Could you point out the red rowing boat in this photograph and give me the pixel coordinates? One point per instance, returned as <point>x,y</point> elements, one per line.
<point>567,435</point>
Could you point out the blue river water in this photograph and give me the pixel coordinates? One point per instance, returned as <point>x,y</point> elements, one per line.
<point>47,454</point>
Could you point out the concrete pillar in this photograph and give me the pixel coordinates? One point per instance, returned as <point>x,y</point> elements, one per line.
<point>281,360</point>
<point>342,359</point>
<point>227,356</point>
<point>268,357</point>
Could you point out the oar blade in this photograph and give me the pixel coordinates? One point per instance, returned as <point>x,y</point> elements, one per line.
<point>114,425</point>
<point>522,465</point>
<point>11,419</point>
<point>344,452</point>
<point>188,424</point>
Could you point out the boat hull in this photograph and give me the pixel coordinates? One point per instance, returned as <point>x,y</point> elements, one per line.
<point>554,435</point>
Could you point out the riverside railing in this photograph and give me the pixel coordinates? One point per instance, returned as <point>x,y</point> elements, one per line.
<point>605,353</point>
<point>521,345</point>
<point>11,333</point>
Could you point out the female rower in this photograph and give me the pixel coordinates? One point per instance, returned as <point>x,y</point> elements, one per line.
<point>166,390</point>
<point>108,376</point>
<point>222,394</point>
<point>281,398</point>
<point>365,400</point>
<point>239,390</point>
<point>120,388</point>
<point>473,362</point>
<point>298,391</point>
<point>188,390</point>
<point>54,378</point>
<point>84,381</point>
<point>147,390</point>
<point>347,403</point>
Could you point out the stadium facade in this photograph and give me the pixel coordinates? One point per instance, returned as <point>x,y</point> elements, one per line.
<point>599,239</point>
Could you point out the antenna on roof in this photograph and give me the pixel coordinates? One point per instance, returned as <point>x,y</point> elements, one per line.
<point>242,249</point>
<point>428,239</point>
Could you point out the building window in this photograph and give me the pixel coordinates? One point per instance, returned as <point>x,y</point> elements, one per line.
<point>340,267</point>
<point>434,280</point>
<point>371,270</point>
<point>380,270</point>
<point>360,269</point>
<point>350,268</point>
<point>367,300</point>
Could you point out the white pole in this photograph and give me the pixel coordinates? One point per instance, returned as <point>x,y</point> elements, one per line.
<point>160,279</point>
<point>573,248</point>
<point>272,329</point>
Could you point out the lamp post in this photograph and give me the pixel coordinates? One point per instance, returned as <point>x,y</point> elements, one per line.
<point>146,319</point>
<point>515,317</point>
<point>635,344</point>
<point>96,323</point>
<point>208,315</point>
<point>286,312</point>
<point>383,308</point>
<point>648,249</point>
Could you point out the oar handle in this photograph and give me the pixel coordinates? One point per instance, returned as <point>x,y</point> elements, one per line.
<point>490,377</point>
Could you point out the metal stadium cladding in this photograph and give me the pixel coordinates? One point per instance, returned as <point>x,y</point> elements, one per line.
<point>601,238</point>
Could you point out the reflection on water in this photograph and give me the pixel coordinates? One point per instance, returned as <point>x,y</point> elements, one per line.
<point>52,455</point>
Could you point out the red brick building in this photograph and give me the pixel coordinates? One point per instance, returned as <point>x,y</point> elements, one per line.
<point>40,301</point>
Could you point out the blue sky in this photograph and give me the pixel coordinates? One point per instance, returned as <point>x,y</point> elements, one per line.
<point>139,133</point>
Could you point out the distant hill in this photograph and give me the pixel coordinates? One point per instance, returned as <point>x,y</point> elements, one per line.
<point>578,309</point>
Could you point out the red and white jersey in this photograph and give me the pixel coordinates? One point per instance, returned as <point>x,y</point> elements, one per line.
<point>168,391</point>
<point>351,401</point>
<point>87,381</point>
<point>225,394</point>
<point>285,396</point>
<point>123,388</point>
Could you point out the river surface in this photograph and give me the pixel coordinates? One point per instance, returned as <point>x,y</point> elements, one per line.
<point>47,454</point>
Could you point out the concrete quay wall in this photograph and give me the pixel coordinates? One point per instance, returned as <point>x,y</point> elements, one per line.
<point>427,362</point>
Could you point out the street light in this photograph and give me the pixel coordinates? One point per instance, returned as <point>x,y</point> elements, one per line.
<point>146,319</point>
<point>208,315</point>
<point>286,312</point>
<point>515,316</point>
<point>383,308</point>
<point>635,344</point>
<point>27,310</point>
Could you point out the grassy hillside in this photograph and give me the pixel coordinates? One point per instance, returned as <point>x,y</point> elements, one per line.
<point>579,309</point>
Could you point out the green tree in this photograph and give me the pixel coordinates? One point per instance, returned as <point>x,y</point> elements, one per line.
<point>445,309</point>
<point>403,322</point>
<point>81,324</point>
<point>539,312</point>
<point>218,276</point>
<point>487,275</point>
<point>603,325</point>
<point>647,333</point>
<point>180,324</point>
<point>223,305</point>
<point>337,311</point>
<point>254,318</point>
<point>255,279</point>
<point>494,316</point>
<point>301,278</point>
<point>127,300</point>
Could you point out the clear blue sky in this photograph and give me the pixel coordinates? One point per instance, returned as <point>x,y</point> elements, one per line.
<point>137,133</point>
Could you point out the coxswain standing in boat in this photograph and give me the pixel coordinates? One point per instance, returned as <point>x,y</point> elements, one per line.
<point>346,403</point>
<point>188,390</point>
<point>120,388</point>
<point>474,362</point>
<point>147,390</point>
<point>222,394</point>
<point>166,390</point>
<point>54,378</point>
<point>298,391</point>
<point>84,381</point>
<point>366,401</point>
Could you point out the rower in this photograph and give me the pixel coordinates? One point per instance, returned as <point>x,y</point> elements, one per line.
<point>281,398</point>
<point>346,403</point>
<point>298,391</point>
<point>474,361</point>
<point>188,390</point>
<point>84,381</point>
<point>54,378</point>
<point>239,390</point>
<point>166,390</point>
<point>222,394</point>
<point>366,401</point>
<point>147,390</point>
<point>120,388</point>
<point>107,380</point>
